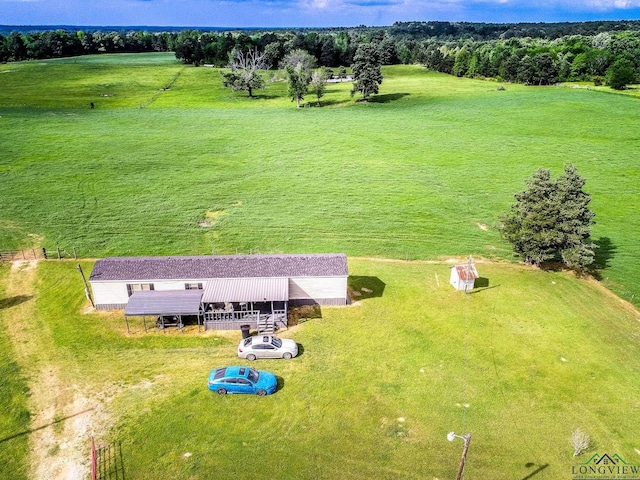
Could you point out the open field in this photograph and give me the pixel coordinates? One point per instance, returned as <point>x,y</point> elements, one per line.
<point>521,363</point>
<point>421,172</point>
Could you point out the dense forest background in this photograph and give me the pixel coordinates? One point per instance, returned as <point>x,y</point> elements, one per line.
<point>530,53</point>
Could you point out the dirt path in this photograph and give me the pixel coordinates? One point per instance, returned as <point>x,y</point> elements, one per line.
<point>62,418</point>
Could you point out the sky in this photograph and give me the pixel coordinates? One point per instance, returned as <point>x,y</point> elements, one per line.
<point>305,13</point>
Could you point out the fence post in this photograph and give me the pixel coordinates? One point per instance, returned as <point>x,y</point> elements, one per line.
<point>44,253</point>
<point>93,459</point>
<point>75,254</point>
<point>58,253</point>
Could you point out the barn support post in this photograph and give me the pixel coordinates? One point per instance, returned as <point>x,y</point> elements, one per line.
<point>126,320</point>
<point>144,320</point>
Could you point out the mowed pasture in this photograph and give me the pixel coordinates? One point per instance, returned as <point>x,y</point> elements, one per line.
<point>521,363</point>
<point>420,172</point>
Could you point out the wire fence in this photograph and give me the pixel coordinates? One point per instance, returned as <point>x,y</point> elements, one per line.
<point>106,461</point>
<point>38,253</point>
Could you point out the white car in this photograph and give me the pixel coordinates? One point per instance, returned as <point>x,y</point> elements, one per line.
<point>267,346</point>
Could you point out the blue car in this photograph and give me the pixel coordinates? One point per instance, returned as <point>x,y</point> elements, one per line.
<point>242,380</point>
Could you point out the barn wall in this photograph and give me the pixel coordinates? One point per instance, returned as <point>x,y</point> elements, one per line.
<point>322,290</point>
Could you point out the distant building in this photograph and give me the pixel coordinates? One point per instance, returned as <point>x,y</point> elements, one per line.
<point>463,277</point>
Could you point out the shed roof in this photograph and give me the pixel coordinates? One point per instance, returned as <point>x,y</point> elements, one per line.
<point>163,302</point>
<point>228,266</point>
<point>246,290</point>
<point>466,272</point>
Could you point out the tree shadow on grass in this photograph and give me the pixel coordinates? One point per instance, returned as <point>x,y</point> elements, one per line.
<point>604,252</point>
<point>389,97</point>
<point>361,287</point>
<point>536,471</point>
<point>13,301</point>
<point>329,103</point>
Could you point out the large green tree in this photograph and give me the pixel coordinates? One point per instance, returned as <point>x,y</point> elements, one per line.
<point>298,65</point>
<point>551,220</point>
<point>298,81</point>
<point>620,74</point>
<point>367,74</point>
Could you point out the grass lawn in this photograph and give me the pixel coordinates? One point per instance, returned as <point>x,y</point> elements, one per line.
<point>521,363</point>
<point>420,172</point>
<point>14,413</point>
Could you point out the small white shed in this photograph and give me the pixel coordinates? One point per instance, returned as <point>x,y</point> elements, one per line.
<point>463,277</point>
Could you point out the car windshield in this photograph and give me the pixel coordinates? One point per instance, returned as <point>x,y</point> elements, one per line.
<point>247,341</point>
<point>219,373</point>
<point>253,375</point>
<point>276,342</point>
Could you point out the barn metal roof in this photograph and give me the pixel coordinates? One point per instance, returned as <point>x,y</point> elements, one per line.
<point>228,266</point>
<point>163,302</point>
<point>246,290</point>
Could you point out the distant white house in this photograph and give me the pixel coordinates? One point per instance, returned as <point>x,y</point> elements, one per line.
<point>463,277</point>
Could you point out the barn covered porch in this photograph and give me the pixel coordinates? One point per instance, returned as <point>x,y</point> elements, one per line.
<point>261,303</point>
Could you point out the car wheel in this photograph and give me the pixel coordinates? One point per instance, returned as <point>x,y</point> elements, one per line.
<point>287,356</point>
<point>221,391</point>
<point>251,357</point>
<point>261,393</point>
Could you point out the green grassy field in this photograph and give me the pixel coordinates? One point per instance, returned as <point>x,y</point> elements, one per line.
<point>14,413</point>
<point>421,172</point>
<point>521,363</point>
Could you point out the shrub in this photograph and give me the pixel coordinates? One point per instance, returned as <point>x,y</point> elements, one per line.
<point>579,441</point>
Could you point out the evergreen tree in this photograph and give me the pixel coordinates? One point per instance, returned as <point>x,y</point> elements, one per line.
<point>366,71</point>
<point>530,226</point>
<point>551,220</point>
<point>575,219</point>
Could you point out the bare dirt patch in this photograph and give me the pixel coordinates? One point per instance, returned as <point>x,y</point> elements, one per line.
<point>211,217</point>
<point>63,416</point>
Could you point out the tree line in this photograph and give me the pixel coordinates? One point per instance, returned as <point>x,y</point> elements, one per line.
<point>534,54</point>
<point>61,43</point>
<point>606,57</point>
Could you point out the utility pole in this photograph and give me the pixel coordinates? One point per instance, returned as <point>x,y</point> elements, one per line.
<point>87,292</point>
